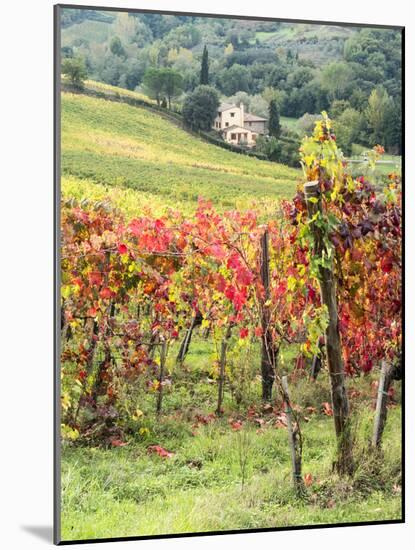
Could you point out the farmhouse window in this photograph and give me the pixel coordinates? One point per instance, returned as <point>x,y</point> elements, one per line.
<point>233,136</point>
<point>232,114</point>
<point>226,123</point>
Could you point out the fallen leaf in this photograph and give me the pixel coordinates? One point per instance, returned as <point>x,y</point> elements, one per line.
<point>156,449</point>
<point>308,480</point>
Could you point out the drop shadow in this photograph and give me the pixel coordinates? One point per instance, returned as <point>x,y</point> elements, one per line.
<point>43,532</point>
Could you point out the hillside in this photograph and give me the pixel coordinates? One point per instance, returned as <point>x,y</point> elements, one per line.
<point>317,43</point>
<point>117,146</point>
<point>320,43</point>
<point>303,67</point>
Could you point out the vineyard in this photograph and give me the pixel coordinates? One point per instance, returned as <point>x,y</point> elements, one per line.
<point>224,347</point>
<point>117,145</point>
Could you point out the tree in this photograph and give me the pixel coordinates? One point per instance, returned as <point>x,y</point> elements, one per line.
<point>200,108</point>
<point>393,127</point>
<point>74,68</point>
<point>358,99</point>
<point>235,79</point>
<point>258,105</point>
<point>116,47</point>
<point>338,107</point>
<point>229,49</point>
<point>270,147</point>
<point>307,122</point>
<point>125,25</point>
<point>172,84</point>
<point>336,79</point>
<point>180,59</point>
<point>279,96</point>
<point>378,104</point>
<point>66,51</point>
<point>133,75</point>
<point>113,70</point>
<point>274,126</point>
<point>299,77</point>
<point>347,128</point>
<point>204,70</point>
<point>240,97</point>
<point>153,83</point>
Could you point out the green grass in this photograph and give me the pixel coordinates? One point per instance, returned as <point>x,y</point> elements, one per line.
<point>389,163</point>
<point>127,492</point>
<point>290,122</point>
<point>110,90</point>
<point>117,145</point>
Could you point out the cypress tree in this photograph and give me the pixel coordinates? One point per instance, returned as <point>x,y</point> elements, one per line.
<point>204,71</point>
<point>274,126</point>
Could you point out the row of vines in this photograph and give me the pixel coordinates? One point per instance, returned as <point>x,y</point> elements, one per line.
<point>324,274</point>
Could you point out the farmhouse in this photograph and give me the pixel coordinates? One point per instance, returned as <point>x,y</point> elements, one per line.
<point>238,127</point>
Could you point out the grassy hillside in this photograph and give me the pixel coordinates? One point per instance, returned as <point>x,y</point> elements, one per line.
<point>117,145</point>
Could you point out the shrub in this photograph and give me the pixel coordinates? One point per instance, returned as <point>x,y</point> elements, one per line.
<point>74,68</point>
<point>200,108</point>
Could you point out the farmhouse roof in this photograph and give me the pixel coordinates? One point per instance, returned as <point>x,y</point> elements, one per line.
<point>225,106</point>
<point>234,127</point>
<point>254,118</point>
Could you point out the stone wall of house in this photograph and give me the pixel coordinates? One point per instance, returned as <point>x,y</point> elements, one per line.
<point>259,127</point>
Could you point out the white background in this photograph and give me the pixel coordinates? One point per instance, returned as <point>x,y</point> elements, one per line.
<point>26,299</point>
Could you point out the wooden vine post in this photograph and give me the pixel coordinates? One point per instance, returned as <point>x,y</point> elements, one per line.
<point>293,439</point>
<point>386,377</point>
<point>100,383</point>
<point>222,365</point>
<point>185,343</point>
<point>184,346</point>
<point>163,357</point>
<point>340,402</point>
<point>268,351</point>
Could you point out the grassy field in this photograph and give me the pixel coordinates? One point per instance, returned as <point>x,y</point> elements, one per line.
<point>108,89</point>
<point>388,163</point>
<point>290,122</point>
<point>127,491</point>
<point>117,145</point>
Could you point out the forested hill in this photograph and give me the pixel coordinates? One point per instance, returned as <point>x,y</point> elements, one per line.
<point>306,68</point>
<point>313,42</point>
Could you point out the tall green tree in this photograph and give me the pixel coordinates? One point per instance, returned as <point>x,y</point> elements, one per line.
<point>204,70</point>
<point>172,84</point>
<point>378,104</point>
<point>393,127</point>
<point>200,108</point>
<point>336,78</point>
<point>347,128</point>
<point>153,83</point>
<point>274,125</point>
<point>75,69</point>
